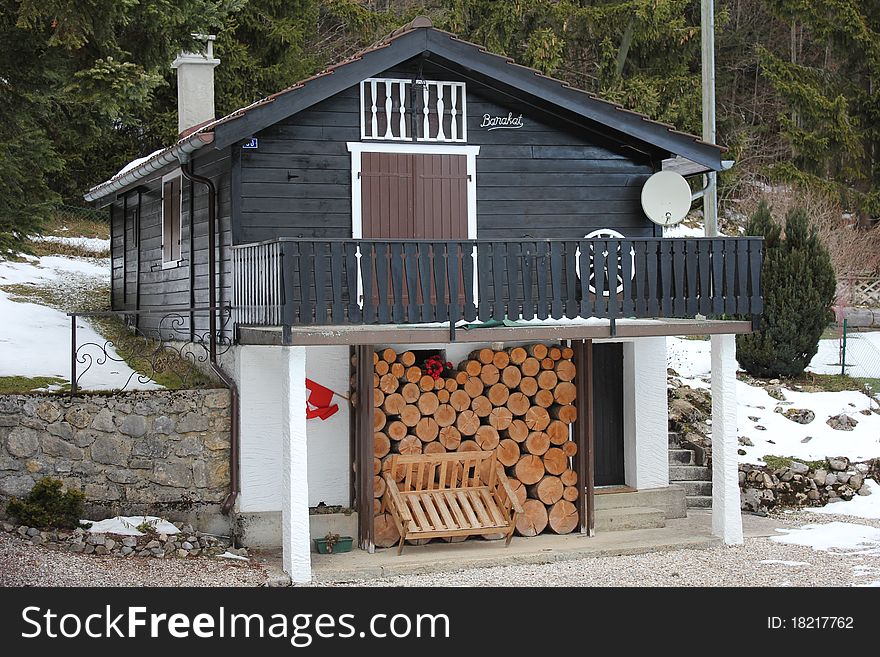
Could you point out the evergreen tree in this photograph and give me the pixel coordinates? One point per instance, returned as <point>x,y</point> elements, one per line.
<point>799,284</point>
<point>75,77</point>
<point>826,75</point>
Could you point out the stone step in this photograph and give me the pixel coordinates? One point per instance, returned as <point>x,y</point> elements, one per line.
<point>681,457</point>
<point>634,517</point>
<point>689,473</point>
<point>692,488</point>
<point>670,499</point>
<point>699,502</point>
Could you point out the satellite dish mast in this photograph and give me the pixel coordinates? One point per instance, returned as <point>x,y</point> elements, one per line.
<point>666,198</point>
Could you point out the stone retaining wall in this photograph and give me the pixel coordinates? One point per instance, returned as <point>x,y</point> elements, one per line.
<point>797,484</point>
<point>163,452</point>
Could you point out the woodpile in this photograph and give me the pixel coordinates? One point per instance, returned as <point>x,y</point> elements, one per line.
<point>517,401</point>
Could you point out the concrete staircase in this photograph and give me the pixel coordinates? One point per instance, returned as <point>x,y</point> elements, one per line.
<point>644,509</point>
<point>685,471</point>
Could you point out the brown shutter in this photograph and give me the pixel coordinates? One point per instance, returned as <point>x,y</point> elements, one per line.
<point>414,196</point>
<point>171,220</point>
<point>440,191</point>
<point>175,226</point>
<point>167,219</point>
<point>386,193</point>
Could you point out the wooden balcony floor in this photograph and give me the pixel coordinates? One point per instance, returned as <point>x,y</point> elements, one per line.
<point>439,333</point>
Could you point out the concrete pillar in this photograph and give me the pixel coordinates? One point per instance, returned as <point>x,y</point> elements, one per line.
<point>645,407</point>
<point>726,516</point>
<point>294,466</point>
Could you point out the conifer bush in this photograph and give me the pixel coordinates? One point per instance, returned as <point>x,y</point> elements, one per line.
<point>47,505</point>
<point>798,283</point>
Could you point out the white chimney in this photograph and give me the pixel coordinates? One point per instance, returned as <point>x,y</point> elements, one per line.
<point>195,85</point>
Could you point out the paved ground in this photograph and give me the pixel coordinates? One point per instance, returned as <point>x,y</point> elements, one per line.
<point>23,564</point>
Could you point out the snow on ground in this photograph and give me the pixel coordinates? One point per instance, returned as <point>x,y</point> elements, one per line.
<point>814,441</point>
<point>859,507</point>
<point>128,525</point>
<point>35,339</point>
<point>834,537</point>
<point>93,244</point>
<point>770,431</point>
<point>680,230</point>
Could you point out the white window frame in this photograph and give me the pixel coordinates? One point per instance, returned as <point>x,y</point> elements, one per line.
<point>358,148</point>
<point>171,264</point>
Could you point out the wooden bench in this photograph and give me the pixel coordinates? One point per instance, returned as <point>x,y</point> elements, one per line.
<point>452,494</point>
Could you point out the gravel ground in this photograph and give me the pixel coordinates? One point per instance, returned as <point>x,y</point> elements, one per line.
<point>793,565</point>
<point>25,564</point>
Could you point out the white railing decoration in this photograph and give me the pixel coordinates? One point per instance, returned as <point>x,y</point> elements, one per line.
<point>442,109</point>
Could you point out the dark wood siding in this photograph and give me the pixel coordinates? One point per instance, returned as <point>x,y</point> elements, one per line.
<point>549,178</point>
<point>608,413</point>
<point>170,288</point>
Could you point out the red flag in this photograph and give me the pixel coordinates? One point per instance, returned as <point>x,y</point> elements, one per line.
<point>318,401</point>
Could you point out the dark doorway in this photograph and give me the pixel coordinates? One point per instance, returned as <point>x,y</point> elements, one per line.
<point>608,414</point>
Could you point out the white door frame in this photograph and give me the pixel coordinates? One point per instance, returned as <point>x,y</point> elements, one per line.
<point>356,148</point>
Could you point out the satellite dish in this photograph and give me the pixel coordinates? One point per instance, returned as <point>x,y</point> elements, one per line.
<point>666,198</point>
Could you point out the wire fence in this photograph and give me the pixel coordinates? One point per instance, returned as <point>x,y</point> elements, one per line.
<point>859,352</point>
<point>80,212</point>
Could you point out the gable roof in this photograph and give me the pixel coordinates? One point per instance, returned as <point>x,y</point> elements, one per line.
<point>413,39</point>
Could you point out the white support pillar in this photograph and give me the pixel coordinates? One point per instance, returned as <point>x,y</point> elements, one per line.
<point>296,559</point>
<point>726,515</point>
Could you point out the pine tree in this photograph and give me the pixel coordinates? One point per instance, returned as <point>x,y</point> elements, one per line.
<point>75,79</point>
<point>826,75</point>
<point>799,284</point>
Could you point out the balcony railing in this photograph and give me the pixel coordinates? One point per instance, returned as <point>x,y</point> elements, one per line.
<point>348,281</point>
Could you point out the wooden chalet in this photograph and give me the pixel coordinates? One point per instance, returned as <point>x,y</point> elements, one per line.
<point>427,198</point>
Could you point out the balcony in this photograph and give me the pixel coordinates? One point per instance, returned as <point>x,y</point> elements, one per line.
<point>345,282</point>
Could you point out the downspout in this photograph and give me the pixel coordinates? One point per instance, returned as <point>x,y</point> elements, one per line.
<point>700,193</point>
<point>216,369</point>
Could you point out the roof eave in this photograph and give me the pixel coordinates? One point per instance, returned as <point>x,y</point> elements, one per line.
<point>174,154</point>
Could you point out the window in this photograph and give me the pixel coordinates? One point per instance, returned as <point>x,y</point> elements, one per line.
<point>171,219</point>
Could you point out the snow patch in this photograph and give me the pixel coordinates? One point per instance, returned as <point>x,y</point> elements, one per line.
<point>229,555</point>
<point>93,244</point>
<point>135,163</point>
<point>858,507</point>
<point>783,562</point>
<point>834,537</point>
<point>128,525</point>
<point>35,339</point>
<point>771,432</point>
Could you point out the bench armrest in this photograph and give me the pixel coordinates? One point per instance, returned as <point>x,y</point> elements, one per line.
<point>505,484</point>
<point>399,504</point>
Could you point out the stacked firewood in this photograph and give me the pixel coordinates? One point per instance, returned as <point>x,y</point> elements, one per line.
<point>517,401</point>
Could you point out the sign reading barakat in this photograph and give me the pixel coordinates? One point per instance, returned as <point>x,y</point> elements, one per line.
<point>499,122</point>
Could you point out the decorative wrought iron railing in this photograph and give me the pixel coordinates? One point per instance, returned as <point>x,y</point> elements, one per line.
<point>161,347</point>
<point>349,281</point>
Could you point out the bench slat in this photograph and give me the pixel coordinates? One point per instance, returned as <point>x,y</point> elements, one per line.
<point>443,505</point>
<point>466,507</point>
<point>492,507</point>
<point>418,513</point>
<point>456,510</point>
<point>428,503</point>
<point>477,504</point>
